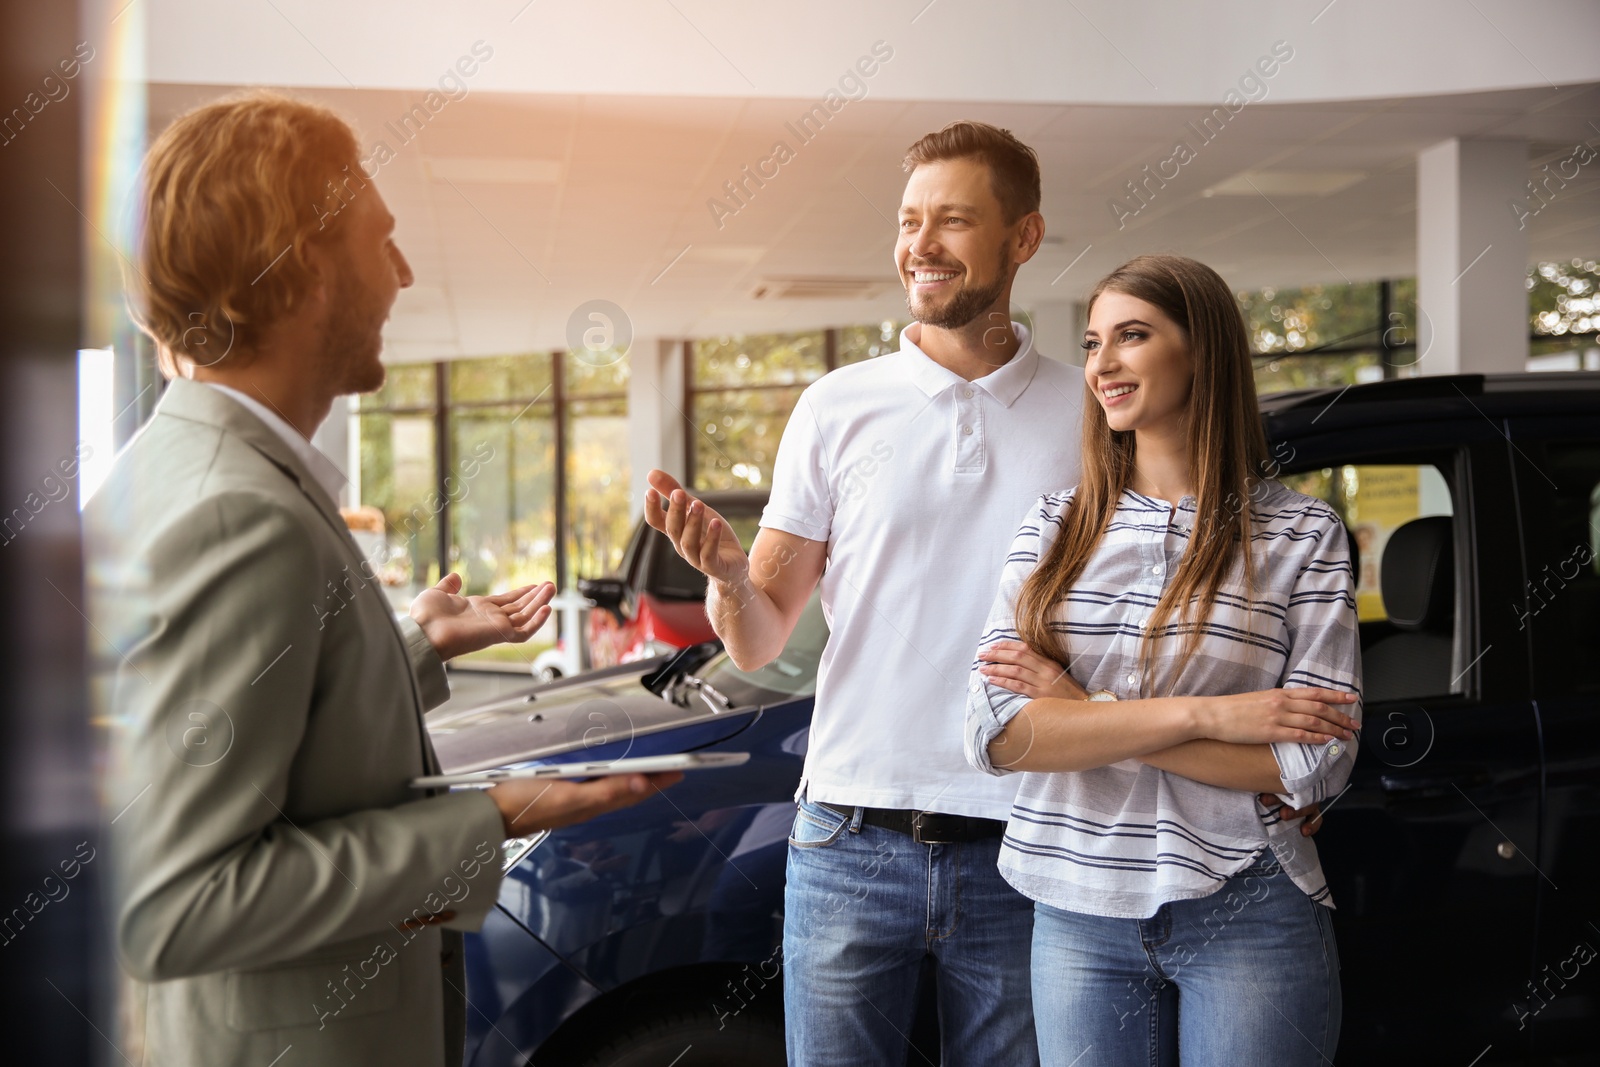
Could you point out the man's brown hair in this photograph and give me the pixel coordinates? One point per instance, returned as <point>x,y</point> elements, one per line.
<point>232,195</point>
<point>1013,166</point>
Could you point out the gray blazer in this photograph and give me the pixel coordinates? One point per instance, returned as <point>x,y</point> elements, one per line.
<point>265,708</point>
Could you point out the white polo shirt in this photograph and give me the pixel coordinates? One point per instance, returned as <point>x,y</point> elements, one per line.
<point>917,480</point>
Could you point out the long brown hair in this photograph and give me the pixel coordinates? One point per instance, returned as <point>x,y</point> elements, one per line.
<point>1227,449</point>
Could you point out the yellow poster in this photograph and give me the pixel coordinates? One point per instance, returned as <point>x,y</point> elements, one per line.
<point>1378,500</point>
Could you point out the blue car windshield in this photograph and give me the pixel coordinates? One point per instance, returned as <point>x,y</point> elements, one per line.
<point>792,674</point>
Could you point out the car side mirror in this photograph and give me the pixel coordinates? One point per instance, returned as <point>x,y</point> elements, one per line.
<point>607,593</point>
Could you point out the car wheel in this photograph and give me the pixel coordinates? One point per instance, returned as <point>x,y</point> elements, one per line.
<point>548,674</point>
<point>695,1038</point>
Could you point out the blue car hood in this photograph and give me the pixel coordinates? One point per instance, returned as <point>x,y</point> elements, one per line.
<point>605,717</point>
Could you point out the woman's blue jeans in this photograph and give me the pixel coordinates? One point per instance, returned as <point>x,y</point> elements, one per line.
<point>1246,976</point>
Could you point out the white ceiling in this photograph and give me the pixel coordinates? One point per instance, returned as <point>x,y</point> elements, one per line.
<point>1033,51</point>
<point>516,207</point>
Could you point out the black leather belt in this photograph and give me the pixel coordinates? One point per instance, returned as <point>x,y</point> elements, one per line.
<point>927,827</point>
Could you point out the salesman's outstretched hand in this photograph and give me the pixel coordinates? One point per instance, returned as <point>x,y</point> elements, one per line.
<point>700,535</point>
<point>456,624</point>
<point>528,805</point>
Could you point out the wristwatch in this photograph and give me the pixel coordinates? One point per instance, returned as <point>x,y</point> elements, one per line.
<point>1102,694</point>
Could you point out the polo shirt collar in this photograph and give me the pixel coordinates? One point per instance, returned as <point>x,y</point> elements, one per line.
<point>1005,383</point>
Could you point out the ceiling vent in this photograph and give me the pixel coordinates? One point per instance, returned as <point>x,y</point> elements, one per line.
<point>1286,183</point>
<point>818,288</point>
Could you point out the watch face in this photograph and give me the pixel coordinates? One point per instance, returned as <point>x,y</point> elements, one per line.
<point>1102,694</point>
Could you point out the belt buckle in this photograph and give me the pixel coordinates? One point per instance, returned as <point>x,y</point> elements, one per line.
<point>918,835</point>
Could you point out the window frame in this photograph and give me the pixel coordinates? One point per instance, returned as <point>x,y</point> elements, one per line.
<point>556,400</point>
<point>1472,460</point>
<point>692,392</point>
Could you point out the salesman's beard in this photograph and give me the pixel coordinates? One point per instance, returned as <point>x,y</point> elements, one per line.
<point>353,340</point>
<point>967,303</point>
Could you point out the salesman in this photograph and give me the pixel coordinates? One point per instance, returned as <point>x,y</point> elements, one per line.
<point>277,883</point>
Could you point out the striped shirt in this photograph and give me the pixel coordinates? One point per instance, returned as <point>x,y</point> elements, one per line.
<point>1123,839</point>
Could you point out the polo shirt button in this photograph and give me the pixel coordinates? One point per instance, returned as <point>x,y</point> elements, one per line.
<point>967,393</point>
<point>1157,569</point>
<point>967,430</point>
<point>1133,679</point>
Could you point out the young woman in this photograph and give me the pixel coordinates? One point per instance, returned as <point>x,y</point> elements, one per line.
<point>1172,637</point>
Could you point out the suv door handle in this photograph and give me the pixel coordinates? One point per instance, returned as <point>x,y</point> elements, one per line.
<point>1436,781</point>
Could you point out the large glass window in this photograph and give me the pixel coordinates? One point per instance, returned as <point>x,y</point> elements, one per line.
<point>597,486</point>
<point>737,434</point>
<point>741,390</point>
<point>1564,305</point>
<point>1322,335</point>
<point>502,416</point>
<point>481,464</point>
<point>857,343</point>
<point>396,519</point>
<point>1329,335</point>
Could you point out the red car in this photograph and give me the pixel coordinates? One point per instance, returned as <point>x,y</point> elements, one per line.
<point>656,602</point>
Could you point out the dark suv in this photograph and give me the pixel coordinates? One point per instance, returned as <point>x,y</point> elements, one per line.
<point>1462,856</point>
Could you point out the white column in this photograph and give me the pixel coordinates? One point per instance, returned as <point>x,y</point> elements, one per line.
<point>1472,257</point>
<point>1058,329</point>
<point>656,414</point>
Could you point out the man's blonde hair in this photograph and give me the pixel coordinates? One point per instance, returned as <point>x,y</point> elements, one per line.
<point>233,194</point>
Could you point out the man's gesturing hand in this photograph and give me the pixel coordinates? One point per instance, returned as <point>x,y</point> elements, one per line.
<point>456,624</point>
<point>528,805</point>
<point>700,535</point>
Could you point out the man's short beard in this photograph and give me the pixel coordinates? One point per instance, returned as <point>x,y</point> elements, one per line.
<point>967,304</point>
<point>350,337</point>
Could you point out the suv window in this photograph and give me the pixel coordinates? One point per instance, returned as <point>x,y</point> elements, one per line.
<point>630,555</point>
<point>1407,658</point>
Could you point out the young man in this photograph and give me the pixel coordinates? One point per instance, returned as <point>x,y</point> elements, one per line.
<point>906,476</point>
<point>277,883</point>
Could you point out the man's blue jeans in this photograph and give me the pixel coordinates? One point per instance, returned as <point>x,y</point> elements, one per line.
<point>862,906</point>
<point>1248,975</point>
